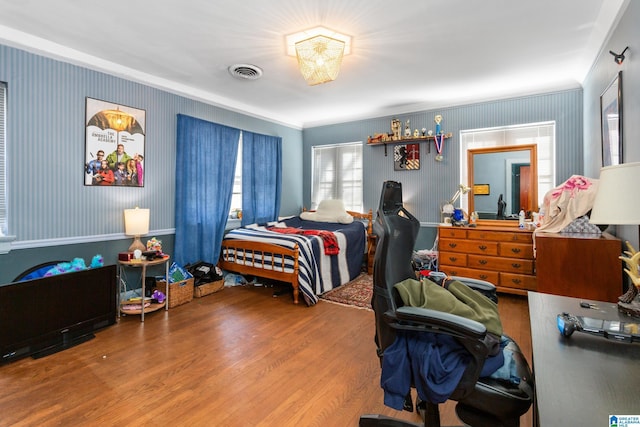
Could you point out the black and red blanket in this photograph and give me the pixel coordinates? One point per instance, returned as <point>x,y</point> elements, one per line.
<point>328,238</point>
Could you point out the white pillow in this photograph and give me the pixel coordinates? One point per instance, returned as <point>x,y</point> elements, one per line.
<point>329,211</point>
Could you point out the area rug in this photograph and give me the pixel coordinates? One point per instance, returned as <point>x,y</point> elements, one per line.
<point>357,293</point>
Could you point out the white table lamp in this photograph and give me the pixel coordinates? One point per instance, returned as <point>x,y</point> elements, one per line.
<point>617,203</point>
<point>136,223</point>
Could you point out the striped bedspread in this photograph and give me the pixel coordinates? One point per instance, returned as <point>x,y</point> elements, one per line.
<point>318,273</point>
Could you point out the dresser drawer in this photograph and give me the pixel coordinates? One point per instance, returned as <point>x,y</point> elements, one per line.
<point>500,236</point>
<point>469,246</point>
<point>453,232</point>
<point>452,258</point>
<point>510,265</point>
<point>516,250</point>
<point>492,277</point>
<point>518,281</point>
<point>502,255</point>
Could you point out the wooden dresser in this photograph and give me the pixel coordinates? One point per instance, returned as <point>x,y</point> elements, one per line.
<point>500,255</point>
<point>579,265</point>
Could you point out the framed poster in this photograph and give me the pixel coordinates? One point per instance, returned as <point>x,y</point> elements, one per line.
<point>611,122</point>
<point>406,157</point>
<point>114,144</point>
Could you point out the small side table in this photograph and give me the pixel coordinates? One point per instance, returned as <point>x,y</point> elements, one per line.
<point>144,264</point>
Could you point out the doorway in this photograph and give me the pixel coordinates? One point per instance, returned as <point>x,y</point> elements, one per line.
<point>521,187</point>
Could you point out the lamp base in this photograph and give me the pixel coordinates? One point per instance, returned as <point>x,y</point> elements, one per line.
<point>137,244</point>
<point>629,303</point>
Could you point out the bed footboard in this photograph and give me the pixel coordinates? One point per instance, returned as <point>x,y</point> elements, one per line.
<point>262,260</point>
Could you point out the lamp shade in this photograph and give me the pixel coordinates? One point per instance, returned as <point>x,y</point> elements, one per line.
<point>617,202</point>
<point>136,221</point>
<point>319,58</point>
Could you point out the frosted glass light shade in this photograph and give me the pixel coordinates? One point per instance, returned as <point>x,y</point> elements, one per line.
<point>319,58</point>
<point>617,201</point>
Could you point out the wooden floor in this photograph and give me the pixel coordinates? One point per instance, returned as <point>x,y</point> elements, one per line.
<point>235,358</point>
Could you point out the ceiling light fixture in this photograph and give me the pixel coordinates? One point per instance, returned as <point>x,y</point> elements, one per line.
<point>319,52</point>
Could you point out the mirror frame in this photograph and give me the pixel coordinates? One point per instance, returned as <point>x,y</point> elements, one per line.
<point>533,156</point>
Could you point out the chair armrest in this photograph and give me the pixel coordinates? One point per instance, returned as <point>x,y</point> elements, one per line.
<point>487,289</point>
<point>477,284</point>
<point>424,319</point>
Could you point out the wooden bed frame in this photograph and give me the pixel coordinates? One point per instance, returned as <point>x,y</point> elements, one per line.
<point>270,260</point>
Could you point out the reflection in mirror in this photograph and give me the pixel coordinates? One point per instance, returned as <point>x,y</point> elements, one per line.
<point>503,181</point>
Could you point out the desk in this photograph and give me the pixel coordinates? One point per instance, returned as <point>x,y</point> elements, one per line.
<point>583,379</point>
<point>144,264</point>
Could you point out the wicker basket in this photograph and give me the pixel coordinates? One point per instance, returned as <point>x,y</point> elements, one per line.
<point>179,292</point>
<point>208,288</point>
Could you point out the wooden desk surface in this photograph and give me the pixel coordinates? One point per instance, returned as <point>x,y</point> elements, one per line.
<point>583,379</point>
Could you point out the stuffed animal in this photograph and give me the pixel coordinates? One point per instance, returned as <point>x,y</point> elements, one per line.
<point>158,296</point>
<point>97,261</point>
<point>77,264</point>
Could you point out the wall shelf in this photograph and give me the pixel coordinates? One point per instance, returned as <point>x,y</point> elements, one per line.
<point>408,140</point>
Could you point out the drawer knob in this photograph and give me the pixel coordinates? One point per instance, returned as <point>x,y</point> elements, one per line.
<point>482,247</point>
<point>453,259</point>
<point>482,261</point>
<point>483,276</point>
<point>516,281</point>
<point>516,265</point>
<point>453,245</point>
<point>515,250</point>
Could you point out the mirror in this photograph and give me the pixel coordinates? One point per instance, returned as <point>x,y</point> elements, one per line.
<point>503,180</point>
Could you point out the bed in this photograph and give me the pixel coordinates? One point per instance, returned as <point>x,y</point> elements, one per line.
<point>294,251</point>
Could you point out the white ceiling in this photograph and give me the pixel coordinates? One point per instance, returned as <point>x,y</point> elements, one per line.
<point>407,55</point>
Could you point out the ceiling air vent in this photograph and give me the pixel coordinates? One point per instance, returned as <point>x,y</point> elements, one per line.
<point>245,71</point>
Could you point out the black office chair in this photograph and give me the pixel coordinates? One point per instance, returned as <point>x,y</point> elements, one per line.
<point>481,401</point>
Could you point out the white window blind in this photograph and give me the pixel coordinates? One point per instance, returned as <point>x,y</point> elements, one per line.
<point>336,172</point>
<point>541,134</point>
<point>3,170</point>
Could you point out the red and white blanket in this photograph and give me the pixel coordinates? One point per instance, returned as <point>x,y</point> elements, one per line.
<point>329,239</point>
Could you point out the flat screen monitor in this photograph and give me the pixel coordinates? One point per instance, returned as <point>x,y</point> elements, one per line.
<point>44,315</point>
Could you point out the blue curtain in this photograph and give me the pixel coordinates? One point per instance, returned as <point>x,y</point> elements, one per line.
<point>205,163</point>
<point>261,177</point>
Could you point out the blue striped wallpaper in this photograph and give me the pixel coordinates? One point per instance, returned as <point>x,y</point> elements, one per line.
<point>46,144</point>
<point>50,206</point>
<point>425,189</point>
<point>45,151</point>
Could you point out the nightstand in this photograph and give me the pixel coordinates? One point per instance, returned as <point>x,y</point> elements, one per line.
<point>122,282</point>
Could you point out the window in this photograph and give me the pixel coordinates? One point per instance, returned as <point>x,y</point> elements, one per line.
<point>336,172</point>
<point>3,171</point>
<point>541,134</point>
<point>236,195</point>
